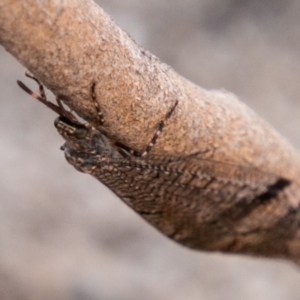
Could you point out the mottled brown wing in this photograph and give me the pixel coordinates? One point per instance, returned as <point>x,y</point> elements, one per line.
<point>204,204</point>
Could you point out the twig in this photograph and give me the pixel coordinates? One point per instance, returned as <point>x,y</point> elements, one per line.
<point>73,45</point>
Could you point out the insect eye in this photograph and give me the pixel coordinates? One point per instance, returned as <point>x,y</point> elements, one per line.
<point>80,133</point>
<point>56,122</point>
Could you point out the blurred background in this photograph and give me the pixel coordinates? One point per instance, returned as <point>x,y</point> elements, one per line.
<point>63,235</point>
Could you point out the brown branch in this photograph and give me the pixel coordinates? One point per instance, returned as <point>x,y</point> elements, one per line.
<point>71,45</point>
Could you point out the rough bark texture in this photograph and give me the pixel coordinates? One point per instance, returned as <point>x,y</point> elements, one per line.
<point>70,45</point>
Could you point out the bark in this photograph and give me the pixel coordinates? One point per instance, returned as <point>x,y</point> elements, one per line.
<point>71,45</point>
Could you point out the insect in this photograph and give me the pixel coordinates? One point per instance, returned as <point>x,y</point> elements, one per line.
<point>200,203</point>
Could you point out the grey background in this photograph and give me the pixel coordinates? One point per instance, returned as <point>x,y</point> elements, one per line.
<point>65,236</point>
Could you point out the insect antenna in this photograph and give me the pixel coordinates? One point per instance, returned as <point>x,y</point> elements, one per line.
<point>59,109</point>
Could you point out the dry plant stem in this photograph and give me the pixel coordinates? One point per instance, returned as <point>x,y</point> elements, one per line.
<point>72,44</point>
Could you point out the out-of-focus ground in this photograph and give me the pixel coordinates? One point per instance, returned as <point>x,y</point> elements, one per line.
<point>65,236</point>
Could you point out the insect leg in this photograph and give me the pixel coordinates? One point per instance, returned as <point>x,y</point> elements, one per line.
<point>160,127</point>
<point>97,107</point>
<point>152,142</point>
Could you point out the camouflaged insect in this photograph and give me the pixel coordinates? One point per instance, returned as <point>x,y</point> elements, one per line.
<point>199,203</point>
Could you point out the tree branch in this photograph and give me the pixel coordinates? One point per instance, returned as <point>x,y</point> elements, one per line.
<point>71,45</point>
